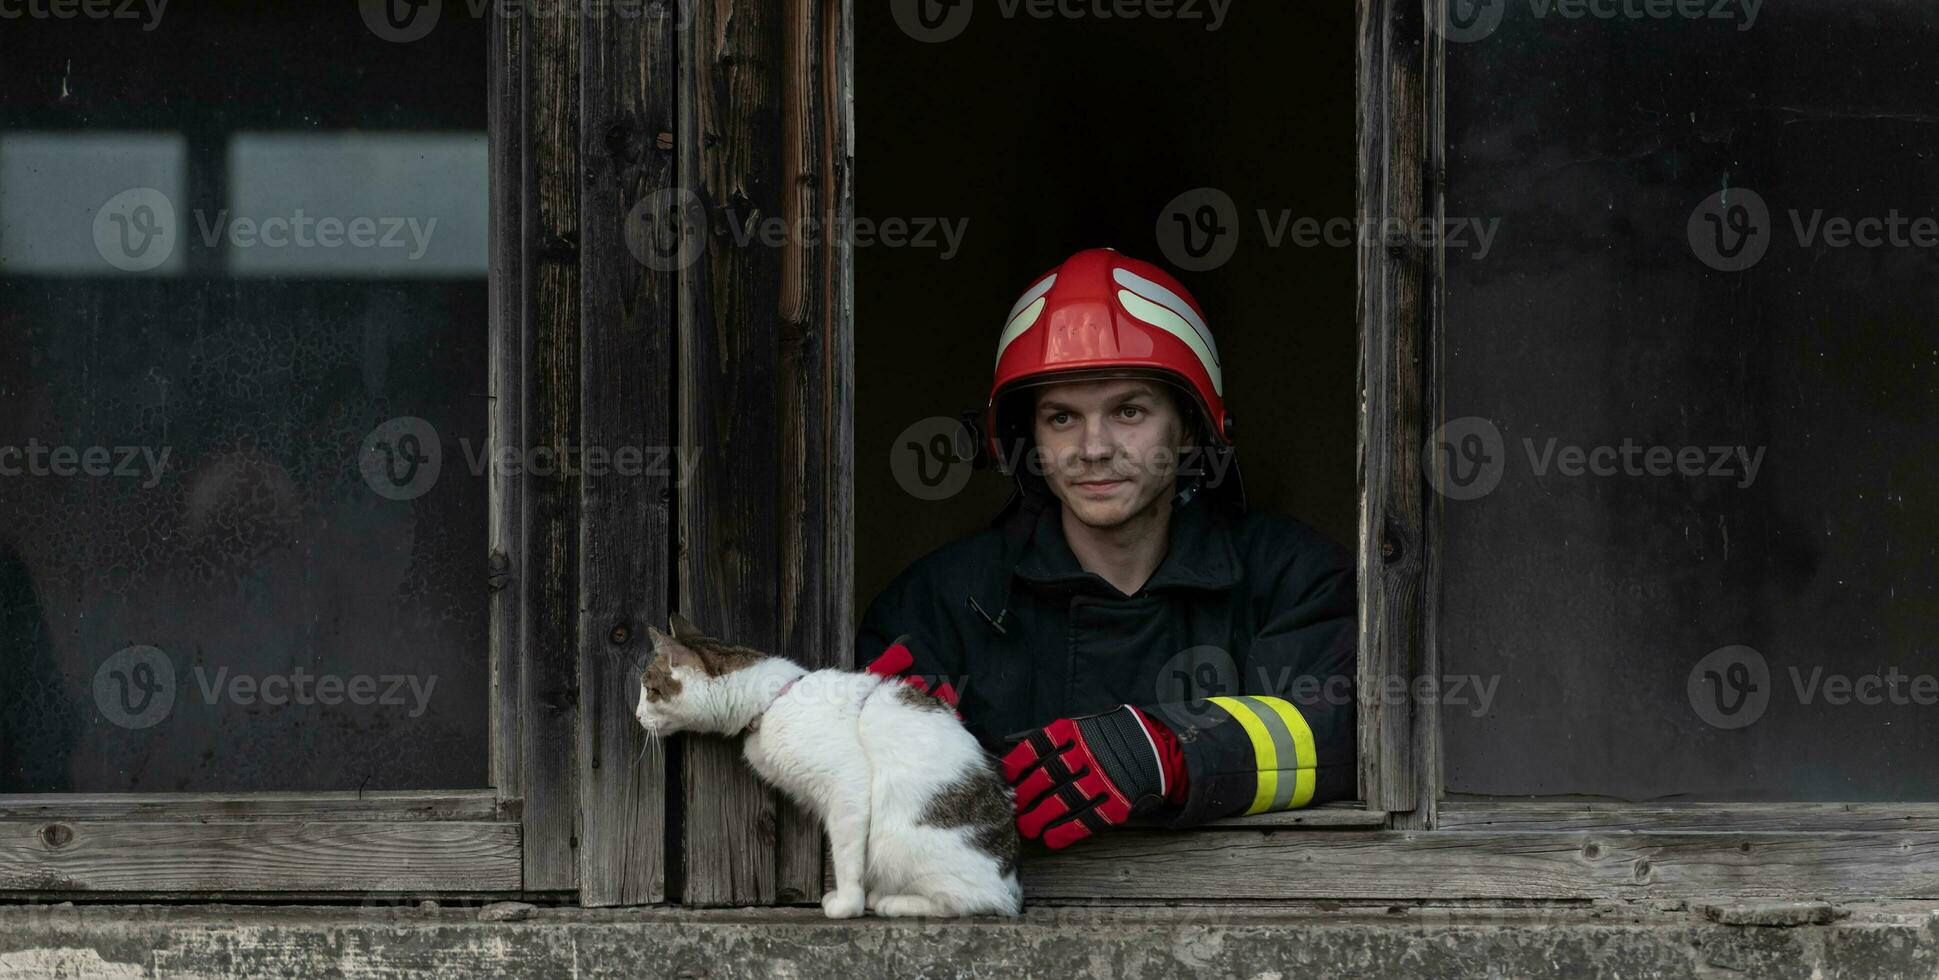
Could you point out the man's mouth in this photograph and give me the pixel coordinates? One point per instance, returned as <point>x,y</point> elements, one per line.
<point>1099,486</point>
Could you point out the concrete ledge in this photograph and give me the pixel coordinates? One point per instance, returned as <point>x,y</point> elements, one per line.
<point>1157,942</point>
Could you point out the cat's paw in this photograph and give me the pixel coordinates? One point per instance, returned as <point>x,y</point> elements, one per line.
<point>842,903</point>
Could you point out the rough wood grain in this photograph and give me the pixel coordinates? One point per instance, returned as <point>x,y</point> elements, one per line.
<point>549,686</point>
<point>344,805</point>
<point>730,339</point>
<point>1543,817</point>
<point>1391,558</point>
<point>817,393</point>
<point>626,346</point>
<point>509,387</point>
<point>1427,865</point>
<point>337,857</point>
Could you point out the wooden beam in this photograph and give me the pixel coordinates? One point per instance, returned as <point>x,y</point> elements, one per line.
<point>549,684</point>
<point>1544,817</point>
<point>335,805</point>
<point>626,400</point>
<point>817,388</point>
<point>1395,738</point>
<point>258,856</point>
<point>507,576</point>
<point>730,346</point>
<point>1433,865</point>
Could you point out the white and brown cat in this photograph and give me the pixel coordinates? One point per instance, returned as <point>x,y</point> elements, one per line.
<point>919,820</point>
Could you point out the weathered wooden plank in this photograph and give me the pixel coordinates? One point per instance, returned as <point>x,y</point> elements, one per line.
<point>1391,540</point>
<point>1327,816</point>
<point>1545,817</point>
<point>1401,865</point>
<point>509,387</point>
<point>549,685</point>
<point>817,394</point>
<point>344,805</point>
<point>311,856</point>
<point>626,401</point>
<point>730,341</point>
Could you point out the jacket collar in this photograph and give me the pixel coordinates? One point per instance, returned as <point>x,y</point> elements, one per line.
<point>1200,554</point>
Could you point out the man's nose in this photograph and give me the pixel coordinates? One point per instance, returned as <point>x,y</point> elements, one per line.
<point>1098,442</point>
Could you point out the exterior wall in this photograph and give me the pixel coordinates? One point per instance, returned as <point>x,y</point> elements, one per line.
<point>218,941</point>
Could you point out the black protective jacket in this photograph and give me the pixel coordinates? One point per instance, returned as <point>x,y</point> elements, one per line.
<point>1242,642</point>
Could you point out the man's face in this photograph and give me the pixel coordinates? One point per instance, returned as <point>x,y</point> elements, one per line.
<point>1109,448</point>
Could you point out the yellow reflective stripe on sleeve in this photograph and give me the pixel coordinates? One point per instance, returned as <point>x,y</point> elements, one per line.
<point>1307,754</point>
<point>1282,747</point>
<point>1265,757</point>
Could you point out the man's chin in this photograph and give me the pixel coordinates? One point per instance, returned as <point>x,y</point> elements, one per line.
<point>1100,518</point>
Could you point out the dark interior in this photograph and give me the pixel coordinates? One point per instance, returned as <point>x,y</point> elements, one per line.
<point>1053,135</point>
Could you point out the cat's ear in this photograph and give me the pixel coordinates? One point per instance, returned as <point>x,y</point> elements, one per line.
<point>677,654</point>
<point>682,630</point>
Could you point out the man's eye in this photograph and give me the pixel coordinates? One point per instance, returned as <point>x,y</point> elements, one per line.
<point>1060,418</point>
<point>1131,411</point>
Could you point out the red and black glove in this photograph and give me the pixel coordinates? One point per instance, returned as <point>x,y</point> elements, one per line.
<point>897,659</point>
<point>1077,776</point>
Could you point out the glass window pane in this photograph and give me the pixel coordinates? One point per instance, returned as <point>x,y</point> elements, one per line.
<point>242,400</point>
<point>1687,529</point>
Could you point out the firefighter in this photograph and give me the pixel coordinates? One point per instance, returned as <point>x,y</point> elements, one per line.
<point>1127,637</point>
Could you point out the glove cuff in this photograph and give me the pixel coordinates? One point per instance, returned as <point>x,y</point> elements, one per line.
<point>1129,755</point>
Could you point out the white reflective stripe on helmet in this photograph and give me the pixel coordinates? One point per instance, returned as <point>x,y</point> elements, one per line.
<point>1167,319</point>
<point>1024,315</point>
<point>1158,294</point>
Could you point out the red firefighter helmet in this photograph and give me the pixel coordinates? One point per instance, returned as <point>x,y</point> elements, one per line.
<point>1103,315</point>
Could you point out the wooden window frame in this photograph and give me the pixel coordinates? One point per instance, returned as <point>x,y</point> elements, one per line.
<point>751,103</point>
